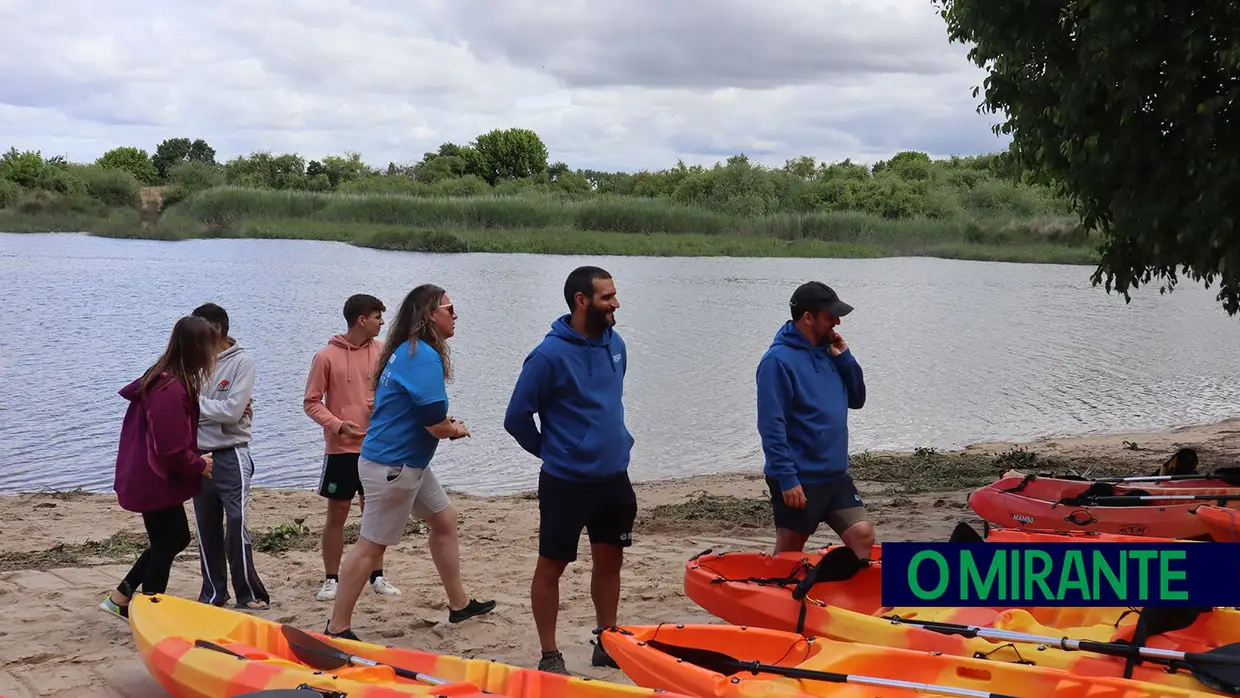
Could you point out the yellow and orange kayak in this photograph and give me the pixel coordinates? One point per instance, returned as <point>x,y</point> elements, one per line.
<point>755,589</point>
<point>655,656</point>
<point>167,630</point>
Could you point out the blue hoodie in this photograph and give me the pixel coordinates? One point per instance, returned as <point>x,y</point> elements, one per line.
<point>804,395</point>
<point>574,385</point>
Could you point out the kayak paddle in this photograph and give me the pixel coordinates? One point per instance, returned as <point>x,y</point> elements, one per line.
<point>327,657</point>
<point>208,645</point>
<point>1133,499</point>
<point>1217,668</point>
<point>725,664</point>
<point>291,693</point>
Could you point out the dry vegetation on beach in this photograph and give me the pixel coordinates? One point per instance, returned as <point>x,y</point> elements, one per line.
<point>63,550</point>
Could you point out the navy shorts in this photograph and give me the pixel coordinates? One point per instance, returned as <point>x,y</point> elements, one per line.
<point>837,504</point>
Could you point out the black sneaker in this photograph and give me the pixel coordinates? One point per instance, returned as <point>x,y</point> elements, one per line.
<point>601,658</point>
<point>553,662</point>
<point>473,608</point>
<point>346,634</point>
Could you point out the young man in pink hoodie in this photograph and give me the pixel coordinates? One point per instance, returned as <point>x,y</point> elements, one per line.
<point>342,371</point>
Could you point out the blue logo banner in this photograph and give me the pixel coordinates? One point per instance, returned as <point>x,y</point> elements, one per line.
<point>1061,574</point>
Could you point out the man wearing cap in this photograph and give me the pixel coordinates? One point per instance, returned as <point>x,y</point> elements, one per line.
<point>807,381</point>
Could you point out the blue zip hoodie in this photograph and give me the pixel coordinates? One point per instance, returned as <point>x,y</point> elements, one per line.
<point>804,395</point>
<point>574,385</point>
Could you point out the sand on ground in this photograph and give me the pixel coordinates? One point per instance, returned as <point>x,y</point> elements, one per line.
<point>56,642</point>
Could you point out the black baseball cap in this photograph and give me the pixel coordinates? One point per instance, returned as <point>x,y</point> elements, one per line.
<point>815,295</point>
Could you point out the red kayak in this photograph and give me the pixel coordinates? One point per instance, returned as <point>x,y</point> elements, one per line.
<point>1048,504</point>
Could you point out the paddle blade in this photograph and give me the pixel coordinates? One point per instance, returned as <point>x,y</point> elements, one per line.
<point>1182,462</point>
<point>313,651</point>
<point>964,533</point>
<point>707,659</point>
<point>1218,668</point>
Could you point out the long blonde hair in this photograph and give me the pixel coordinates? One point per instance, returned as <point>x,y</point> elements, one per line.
<point>413,322</point>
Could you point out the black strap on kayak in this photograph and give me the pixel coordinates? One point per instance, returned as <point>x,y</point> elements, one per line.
<point>1099,489</point>
<point>796,577</point>
<point>1023,483</point>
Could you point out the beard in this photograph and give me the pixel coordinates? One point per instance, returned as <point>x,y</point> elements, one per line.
<point>599,320</point>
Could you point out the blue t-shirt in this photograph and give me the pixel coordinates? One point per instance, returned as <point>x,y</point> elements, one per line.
<point>397,435</point>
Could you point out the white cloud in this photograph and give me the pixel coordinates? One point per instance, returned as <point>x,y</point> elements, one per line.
<point>608,84</point>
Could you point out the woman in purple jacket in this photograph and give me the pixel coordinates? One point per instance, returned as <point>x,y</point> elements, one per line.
<point>158,467</point>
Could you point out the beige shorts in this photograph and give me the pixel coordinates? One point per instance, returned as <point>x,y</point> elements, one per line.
<point>393,494</point>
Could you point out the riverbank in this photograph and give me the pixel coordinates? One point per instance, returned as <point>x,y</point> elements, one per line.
<point>595,225</point>
<point>64,551</point>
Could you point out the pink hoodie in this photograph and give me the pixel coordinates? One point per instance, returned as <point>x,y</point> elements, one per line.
<point>343,372</point>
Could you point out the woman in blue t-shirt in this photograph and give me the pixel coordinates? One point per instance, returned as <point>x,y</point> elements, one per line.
<point>409,419</point>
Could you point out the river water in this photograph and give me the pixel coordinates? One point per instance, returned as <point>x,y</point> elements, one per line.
<point>953,351</point>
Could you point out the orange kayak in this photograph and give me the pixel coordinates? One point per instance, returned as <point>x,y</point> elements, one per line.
<point>755,589</point>
<point>1056,505</point>
<point>700,660</point>
<point>191,649</point>
<point>1222,523</point>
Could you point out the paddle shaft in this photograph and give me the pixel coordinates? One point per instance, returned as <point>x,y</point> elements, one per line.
<point>812,675</point>
<point>1229,478</point>
<point>1109,648</point>
<point>406,673</point>
<point>1145,498</point>
<point>301,640</point>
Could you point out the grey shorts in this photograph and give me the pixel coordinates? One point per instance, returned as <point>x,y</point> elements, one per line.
<point>393,494</point>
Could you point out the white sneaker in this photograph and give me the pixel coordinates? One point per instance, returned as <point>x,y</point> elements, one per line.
<point>381,586</point>
<point>327,592</point>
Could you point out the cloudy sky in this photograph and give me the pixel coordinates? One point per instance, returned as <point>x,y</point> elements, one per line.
<point>608,84</point>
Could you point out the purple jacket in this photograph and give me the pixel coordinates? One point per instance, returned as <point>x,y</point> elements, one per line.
<point>157,461</point>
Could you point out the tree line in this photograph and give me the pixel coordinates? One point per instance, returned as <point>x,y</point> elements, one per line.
<point>515,161</point>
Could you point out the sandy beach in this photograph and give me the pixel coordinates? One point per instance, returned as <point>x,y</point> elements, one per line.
<point>62,552</point>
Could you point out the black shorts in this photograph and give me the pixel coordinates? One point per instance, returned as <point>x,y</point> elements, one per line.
<point>339,477</point>
<point>837,504</point>
<point>605,508</point>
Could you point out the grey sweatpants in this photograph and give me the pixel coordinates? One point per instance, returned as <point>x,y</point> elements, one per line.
<point>223,498</point>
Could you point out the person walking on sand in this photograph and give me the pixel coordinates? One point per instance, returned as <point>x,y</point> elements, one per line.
<point>807,381</point>
<point>574,382</point>
<point>158,467</point>
<point>410,418</point>
<point>339,398</point>
<point>224,421</point>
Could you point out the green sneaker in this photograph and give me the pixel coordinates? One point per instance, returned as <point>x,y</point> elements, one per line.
<point>115,609</point>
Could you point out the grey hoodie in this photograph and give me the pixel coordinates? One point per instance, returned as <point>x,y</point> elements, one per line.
<point>221,404</point>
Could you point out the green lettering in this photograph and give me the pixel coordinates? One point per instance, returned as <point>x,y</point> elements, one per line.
<point>1103,569</point>
<point>1014,576</point>
<point>1165,575</point>
<point>918,591</point>
<point>1074,565</point>
<point>1143,572</point>
<point>1038,577</point>
<point>969,577</point>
